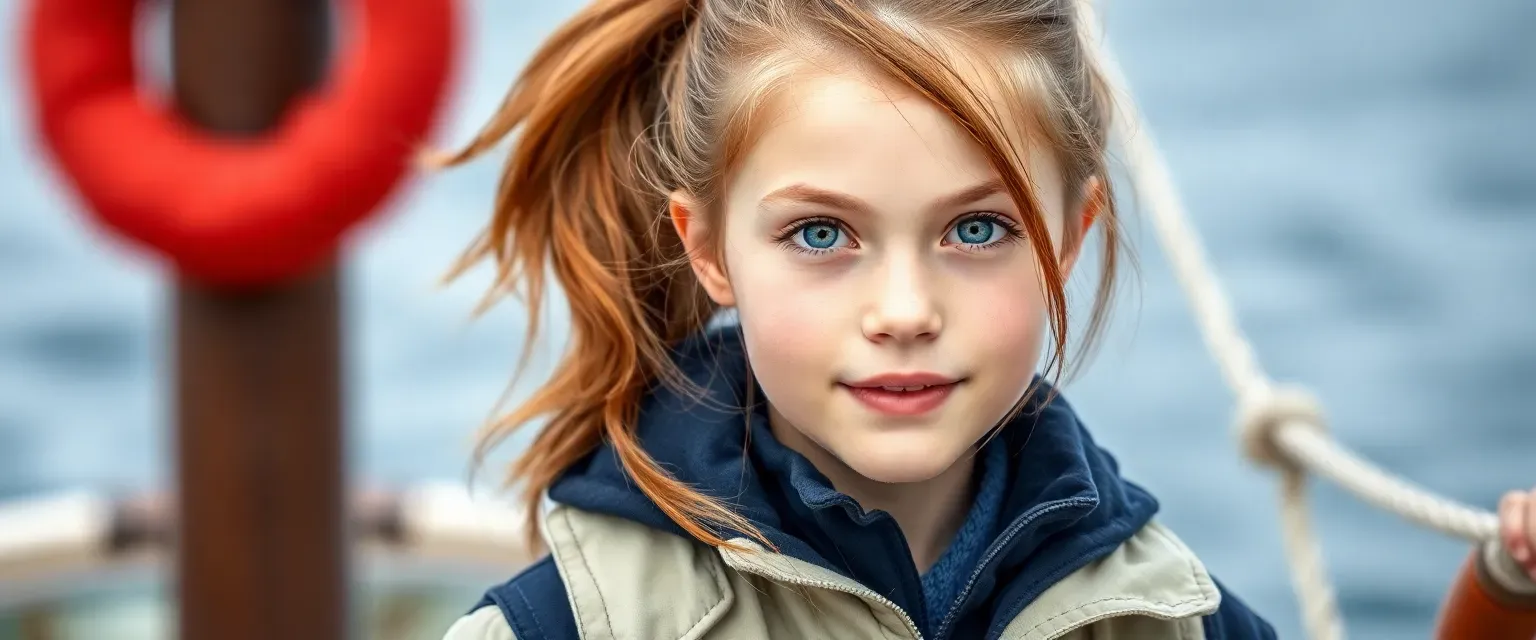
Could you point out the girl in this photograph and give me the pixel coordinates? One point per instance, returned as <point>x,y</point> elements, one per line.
<point>888,196</point>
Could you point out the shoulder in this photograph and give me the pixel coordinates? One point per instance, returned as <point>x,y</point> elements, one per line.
<point>1151,585</point>
<point>531,606</point>
<point>1223,616</point>
<point>613,564</point>
<point>1235,621</point>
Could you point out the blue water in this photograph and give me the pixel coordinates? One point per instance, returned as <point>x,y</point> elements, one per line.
<point>1361,169</point>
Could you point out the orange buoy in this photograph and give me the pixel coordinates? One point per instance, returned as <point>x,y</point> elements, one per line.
<point>1492,599</point>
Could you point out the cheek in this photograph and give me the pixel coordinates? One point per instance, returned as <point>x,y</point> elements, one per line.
<point>1000,317</point>
<point>785,316</point>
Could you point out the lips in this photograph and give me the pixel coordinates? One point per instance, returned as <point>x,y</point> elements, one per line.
<point>902,394</point>
<point>904,380</point>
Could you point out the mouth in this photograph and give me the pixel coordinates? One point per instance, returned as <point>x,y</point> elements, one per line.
<point>902,394</point>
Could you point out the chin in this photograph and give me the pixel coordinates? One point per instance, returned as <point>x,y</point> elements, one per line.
<point>901,458</point>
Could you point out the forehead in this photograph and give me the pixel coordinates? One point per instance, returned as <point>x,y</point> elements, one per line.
<point>877,140</point>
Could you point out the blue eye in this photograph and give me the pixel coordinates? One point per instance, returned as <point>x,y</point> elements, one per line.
<point>975,230</point>
<point>819,236</point>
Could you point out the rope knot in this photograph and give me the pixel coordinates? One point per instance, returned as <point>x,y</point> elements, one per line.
<point>1260,415</point>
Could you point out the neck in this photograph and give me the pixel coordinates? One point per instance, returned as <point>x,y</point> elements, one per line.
<point>929,512</point>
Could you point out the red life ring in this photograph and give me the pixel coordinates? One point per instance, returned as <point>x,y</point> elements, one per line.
<point>234,211</point>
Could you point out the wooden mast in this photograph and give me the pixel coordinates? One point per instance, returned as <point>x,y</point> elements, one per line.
<point>258,375</point>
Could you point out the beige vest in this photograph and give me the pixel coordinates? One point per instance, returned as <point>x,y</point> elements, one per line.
<point>627,581</point>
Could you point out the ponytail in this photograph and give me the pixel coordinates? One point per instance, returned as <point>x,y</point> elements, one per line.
<point>572,198</point>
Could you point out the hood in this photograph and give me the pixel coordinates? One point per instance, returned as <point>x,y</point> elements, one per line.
<point>1064,505</point>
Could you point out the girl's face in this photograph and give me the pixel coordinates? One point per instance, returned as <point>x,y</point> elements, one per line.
<point>892,310</point>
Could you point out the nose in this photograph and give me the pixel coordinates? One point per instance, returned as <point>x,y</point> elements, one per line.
<point>904,309</point>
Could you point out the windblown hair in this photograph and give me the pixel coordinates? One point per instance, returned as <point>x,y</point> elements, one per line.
<point>631,100</point>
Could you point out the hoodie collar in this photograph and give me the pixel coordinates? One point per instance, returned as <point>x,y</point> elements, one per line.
<point>1064,506</point>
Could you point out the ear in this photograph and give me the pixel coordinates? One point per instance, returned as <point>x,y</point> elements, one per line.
<point>691,228</point>
<point>1092,200</point>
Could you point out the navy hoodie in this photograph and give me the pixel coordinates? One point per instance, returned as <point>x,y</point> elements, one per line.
<point>1058,498</point>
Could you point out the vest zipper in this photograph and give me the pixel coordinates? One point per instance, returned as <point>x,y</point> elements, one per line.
<point>857,591</point>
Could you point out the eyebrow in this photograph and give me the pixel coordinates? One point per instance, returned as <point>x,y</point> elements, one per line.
<point>804,193</point>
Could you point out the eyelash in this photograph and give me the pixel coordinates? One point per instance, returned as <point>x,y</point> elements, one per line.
<point>787,234</point>
<point>1011,232</point>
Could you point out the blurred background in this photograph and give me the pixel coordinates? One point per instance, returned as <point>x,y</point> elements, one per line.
<point>1362,171</point>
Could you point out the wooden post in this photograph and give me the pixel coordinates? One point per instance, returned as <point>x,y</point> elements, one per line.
<point>258,394</point>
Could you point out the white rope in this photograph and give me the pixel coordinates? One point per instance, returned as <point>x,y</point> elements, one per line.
<point>1309,575</point>
<point>1323,456</point>
<point>1279,427</point>
<point>1299,442</point>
